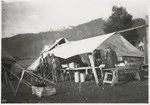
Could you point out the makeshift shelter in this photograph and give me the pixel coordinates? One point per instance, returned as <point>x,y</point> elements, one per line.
<point>87,46</point>
<point>118,43</point>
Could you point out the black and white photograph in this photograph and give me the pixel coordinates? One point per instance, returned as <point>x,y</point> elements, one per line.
<point>74,51</point>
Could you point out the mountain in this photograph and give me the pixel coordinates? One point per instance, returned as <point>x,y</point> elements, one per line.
<point>29,45</point>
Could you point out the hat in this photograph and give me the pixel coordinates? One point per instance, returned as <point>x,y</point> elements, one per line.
<point>52,55</point>
<point>108,47</point>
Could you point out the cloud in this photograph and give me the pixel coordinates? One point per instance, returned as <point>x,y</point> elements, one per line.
<point>40,15</point>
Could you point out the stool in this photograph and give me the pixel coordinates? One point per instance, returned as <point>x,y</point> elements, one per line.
<point>114,78</point>
<point>106,78</point>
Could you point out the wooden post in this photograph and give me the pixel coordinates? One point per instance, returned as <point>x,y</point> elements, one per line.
<point>145,40</point>
<point>19,82</point>
<point>137,76</point>
<point>115,77</point>
<point>34,74</point>
<point>93,69</point>
<point>6,77</point>
<point>11,85</point>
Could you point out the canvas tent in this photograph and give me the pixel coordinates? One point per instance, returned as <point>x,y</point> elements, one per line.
<point>57,43</point>
<point>121,46</point>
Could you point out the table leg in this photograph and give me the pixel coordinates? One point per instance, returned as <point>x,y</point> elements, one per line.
<point>115,77</point>
<point>137,76</point>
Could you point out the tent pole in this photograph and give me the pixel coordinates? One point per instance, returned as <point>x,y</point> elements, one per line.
<point>6,77</point>
<point>19,82</point>
<point>145,40</point>
<point>23,81</point>
<point>93,68</point>
<point>34,74</point>
<point>11,85</point>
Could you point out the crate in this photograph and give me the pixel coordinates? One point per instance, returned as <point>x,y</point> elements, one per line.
<point>43,91</point>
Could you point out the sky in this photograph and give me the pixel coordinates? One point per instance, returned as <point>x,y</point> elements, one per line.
<point>33,16</point>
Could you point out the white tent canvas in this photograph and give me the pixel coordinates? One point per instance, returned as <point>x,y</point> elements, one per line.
<point>117,42</point>
<point>79,47</point>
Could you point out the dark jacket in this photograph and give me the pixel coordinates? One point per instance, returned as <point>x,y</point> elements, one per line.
<point>111,59</point>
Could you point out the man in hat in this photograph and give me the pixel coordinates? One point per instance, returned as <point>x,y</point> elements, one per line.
<point>111,58</point>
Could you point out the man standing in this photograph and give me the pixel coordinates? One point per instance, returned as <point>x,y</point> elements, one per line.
<point>111,58</point>
<point>55,68</point>
<point>97,57</point>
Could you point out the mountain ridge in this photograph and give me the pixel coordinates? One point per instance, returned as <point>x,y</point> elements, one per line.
<point>29,45</point>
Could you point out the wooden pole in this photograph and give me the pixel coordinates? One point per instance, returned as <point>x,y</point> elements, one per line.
<point>34,74</point>
<point>145,40</point>
<point>11,85</point>
<point>6,77</point>
<point>130,29</point>
<point>19,82</point>
<point>23,81</point>
<point>93,69</point>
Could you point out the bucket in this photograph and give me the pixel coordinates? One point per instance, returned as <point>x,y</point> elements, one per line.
<point>76,76</point>
<point>43,91</point>
<point>82,78</point>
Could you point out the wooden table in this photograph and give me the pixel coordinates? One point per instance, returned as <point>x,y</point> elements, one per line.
<point>80,69</point>
<point>115,72</point>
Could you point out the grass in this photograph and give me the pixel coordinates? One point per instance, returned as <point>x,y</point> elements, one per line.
<point>126,91</point>
<point>133,91</point>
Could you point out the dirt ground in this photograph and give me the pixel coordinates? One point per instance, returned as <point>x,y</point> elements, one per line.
<point>132,91</point>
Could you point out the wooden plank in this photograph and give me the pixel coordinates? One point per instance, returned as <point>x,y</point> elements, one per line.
<point>11,85</point>
<point>44,79</point>
<point>137,76</point>
<point>115,77</point>
<point>145,40</point>
<point>79,68</point>
<point>93,69</point>
<point>130,29</point>
<point>19,82</point>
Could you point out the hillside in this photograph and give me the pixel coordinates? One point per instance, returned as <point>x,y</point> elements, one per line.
<point>29,45</point>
